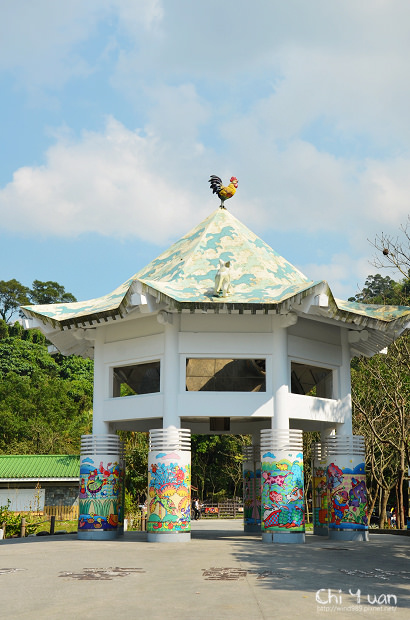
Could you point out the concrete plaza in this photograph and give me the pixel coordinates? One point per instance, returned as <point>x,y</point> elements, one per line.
<point>221,573</point>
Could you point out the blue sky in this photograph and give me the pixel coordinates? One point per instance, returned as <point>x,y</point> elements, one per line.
<point>115,112</point>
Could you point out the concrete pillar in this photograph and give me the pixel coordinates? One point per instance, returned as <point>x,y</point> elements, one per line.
<point>282,486</point>
<point>169,485</point>
<point>346,482</point>
<point>101,389</point>
<point>101,504</point>
<point>252,487</point>
<point>345,387</point>
<point>170,372</point>
<point>280,374</point>
<point>319,491</point>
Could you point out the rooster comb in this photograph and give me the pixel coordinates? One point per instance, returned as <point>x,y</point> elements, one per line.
<point>232,179</point>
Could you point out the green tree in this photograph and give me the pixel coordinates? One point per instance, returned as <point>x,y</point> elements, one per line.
<point>24,358</point>
<point>217,464</point>
<point>4,329</point>
<point>49,293</point>
<point>136,456</point>
<point>39,415</point>
<point>12,295</point>
<point>45,404</point>
<point>381,397</point>
<point>232,464</point>
<point>379,290</point>
<point>380,385</point>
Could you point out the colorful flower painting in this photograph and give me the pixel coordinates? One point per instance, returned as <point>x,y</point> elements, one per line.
<point>169,492</point>
<point>101,491</point>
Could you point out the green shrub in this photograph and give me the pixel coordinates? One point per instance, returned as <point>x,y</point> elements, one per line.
<point>13,521</point>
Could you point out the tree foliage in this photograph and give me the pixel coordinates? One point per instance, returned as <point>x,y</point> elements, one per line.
<point>49,293</point>
<point>381,387</point>
<point>379,290</point>
<point>136,457</point>
<point>217,464</point>
<point>44,405</point>
<point>12,295</point>
<point>381,396</point>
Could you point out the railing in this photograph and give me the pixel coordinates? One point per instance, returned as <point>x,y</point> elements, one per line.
<point>228,509</point>
<point>62,513</point>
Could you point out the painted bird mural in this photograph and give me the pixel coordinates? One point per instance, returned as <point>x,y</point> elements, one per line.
<point>224,192</point>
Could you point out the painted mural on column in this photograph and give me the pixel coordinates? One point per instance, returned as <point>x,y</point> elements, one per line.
<point>282,492</point>
<point>100,497</point>
<point>320,497</point>
<point>252,496</point>
<point>347,497</point>
<point>169,492</point>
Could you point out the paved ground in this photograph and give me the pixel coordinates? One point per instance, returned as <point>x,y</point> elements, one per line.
<point>220,574</point>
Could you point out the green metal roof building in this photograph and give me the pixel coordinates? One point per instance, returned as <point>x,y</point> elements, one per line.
<point>35,467</point>
<point>33,480</point>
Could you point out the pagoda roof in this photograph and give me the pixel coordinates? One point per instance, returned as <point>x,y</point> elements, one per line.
<point>182,278</point>
<point>259,275</point>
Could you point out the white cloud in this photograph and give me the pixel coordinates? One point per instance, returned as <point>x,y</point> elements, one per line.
<point>176,114</point>
<point>38,41</point>
<point>345,62</point>
<point>113,182</point>
<point>225,88</point>
<point>387,187</point>
<point>344,273</point>
<point>117,183</point>
<point>44,43</point>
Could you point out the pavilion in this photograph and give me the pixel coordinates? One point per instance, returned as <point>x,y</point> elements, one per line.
<point>220,334</point>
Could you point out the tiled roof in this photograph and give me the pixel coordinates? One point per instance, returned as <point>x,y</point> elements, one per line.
<point>37,466</point>
<point>184,276</point>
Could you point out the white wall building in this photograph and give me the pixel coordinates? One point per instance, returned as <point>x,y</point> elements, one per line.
<point>220,334</point>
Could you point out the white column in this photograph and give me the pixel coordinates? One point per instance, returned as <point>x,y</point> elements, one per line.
<point>282,518</point>
<point>101,390</point>
<point>346,482</point>
<point>280,375</point>
<point>169,485</point>
<point>345,386</point>
<point>101,496</point>
<point>170,373</point>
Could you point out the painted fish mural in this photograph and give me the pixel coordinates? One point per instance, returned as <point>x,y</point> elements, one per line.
<point>282,494</point>
<point>348,497</point>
